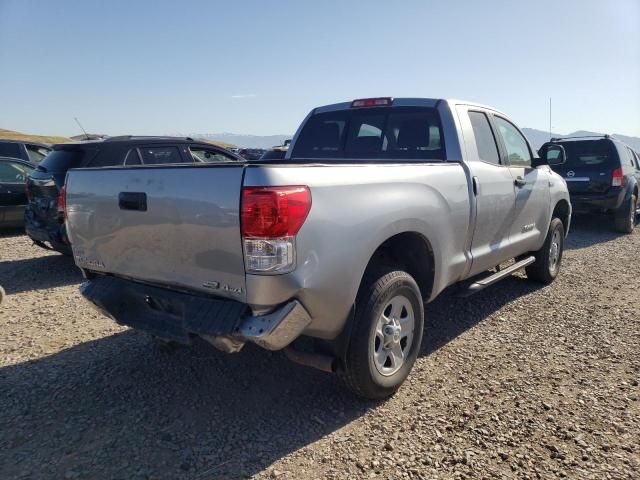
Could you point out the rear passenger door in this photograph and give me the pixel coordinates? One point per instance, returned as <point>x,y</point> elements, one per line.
<point>493,190</point>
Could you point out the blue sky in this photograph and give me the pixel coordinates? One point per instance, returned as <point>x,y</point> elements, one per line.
<point>259,66</point>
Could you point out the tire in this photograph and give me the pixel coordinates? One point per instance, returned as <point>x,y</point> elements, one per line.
<point>548,259</point>
<point>380,355</point>
<point>625,219</point>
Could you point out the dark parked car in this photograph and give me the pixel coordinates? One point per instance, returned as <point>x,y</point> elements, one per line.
<point>603,176</point>
<point>28,151</point>
<point>251,153</point>
<point>44,221</point>
<point>276,153</point>
<point>13,198</point>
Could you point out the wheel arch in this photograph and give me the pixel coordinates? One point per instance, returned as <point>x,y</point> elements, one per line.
<point>562,210</point>
<point>410,251</point>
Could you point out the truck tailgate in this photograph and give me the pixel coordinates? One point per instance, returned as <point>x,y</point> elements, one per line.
<point>177,226</point>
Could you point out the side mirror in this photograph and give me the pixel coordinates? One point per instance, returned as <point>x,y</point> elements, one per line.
<point>552,154</point>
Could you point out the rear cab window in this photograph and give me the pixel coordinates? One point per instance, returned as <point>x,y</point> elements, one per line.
<point>373,133</point>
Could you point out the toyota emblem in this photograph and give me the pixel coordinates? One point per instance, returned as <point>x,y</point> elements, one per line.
<point>571,173</point>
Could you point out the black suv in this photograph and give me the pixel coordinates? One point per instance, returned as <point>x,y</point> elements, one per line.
<point>603,176</point>
<point>43,215</point>
<point>27,151</point>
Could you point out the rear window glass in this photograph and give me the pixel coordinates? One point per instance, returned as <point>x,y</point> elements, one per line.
<point>62,160</point>
<point>373,133</point>
<point>9,149</point>
<point>36,152</point>
<point>160,155</point>
<point>586,153</point>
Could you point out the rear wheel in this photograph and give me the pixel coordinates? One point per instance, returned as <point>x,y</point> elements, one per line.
<point>548,259</point>
<point>386,336</point>
<point>625,219</point>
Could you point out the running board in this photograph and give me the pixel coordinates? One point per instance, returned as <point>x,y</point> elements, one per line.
<point>496,277</point>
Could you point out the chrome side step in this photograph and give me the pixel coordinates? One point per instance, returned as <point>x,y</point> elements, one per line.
<point>496,277</point>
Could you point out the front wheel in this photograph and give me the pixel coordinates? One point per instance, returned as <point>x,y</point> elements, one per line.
<point>387,334</point>
<point>626,219</point>
<point>548,259</point>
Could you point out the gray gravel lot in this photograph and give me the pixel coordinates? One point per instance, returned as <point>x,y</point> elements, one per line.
<point>517,381</point>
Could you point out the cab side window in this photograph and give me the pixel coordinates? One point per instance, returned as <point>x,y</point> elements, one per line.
<point>485,141</point>
<point>518,153</point>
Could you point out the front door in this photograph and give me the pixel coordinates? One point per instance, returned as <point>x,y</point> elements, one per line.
<point>531,186</point>
<point>493,191</point>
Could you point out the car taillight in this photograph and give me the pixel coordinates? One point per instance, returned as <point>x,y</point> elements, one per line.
<point>617,180</point>
<point>270,219</point>
<point>28,191</point>
<point>61,204</point>
<point>372,102</point>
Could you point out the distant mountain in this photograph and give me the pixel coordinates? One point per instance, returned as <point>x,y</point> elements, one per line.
<point>244,141</point>
<point>538,137</point>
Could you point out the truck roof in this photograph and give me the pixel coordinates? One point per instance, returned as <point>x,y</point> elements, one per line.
<point>408,102</point>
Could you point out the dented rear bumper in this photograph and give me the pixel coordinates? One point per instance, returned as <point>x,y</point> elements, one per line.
<point>178,315</point>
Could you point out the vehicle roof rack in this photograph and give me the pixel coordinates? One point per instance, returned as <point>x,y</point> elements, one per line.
<point>557,139</point>
<point>145,137</point>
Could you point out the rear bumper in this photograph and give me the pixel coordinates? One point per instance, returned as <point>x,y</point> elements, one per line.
<point>178,315</point>
<point>52,232</point>
<point>612,200</point>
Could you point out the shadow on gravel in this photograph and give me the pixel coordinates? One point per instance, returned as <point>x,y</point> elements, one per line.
<point>119,408</point>
<point>450,316</point>
<point>37,273</point>
<point>11,232</point>
<point>588,230</point>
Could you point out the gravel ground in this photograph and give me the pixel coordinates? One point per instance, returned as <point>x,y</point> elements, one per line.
<point>517,381</point>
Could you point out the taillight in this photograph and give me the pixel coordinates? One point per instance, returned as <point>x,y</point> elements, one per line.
<point>61,204</point>
<point>617,180</point>
<point>372,102</point>
<point>270,219</point>
<point>28,191</point>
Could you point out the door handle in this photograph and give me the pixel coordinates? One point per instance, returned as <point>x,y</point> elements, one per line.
<point>132,201</point>
<point>519,182</point>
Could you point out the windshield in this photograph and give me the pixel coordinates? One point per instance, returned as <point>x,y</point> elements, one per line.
<point>587,153</point>
<point>372,133</point>
<point>61,160</point>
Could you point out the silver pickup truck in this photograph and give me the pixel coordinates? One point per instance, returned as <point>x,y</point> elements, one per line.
<point>378,206</point>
